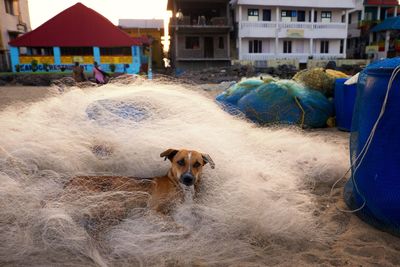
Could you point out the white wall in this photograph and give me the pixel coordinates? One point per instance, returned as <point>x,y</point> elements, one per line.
<point>336,13</point>
<point>260,12</point>
<point>299,46</point>
<point>268,45</point>
<point>301,3</point>
<point>334,46</point>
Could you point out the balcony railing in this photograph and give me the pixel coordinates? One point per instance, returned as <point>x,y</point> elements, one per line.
<point>329,26</point>
<point>258,24</point>
<point>299,56</point>
<point>292,25</point>
<point>280,29</point>
<point>201,21</point>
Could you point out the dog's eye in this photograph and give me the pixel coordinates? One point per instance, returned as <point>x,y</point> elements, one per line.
<point>181,162</point>
<point>196,164</point>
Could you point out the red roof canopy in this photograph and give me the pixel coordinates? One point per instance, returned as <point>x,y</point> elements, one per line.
<point>77,26</point>
<point>381,2</point>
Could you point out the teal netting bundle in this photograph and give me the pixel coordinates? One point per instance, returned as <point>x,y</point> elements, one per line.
<point>230,97</point>
<point>282,101</point>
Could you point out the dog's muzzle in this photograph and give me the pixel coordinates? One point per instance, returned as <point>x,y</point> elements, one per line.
<point>187,179</point>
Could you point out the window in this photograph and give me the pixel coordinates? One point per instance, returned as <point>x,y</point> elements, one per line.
<point>252,14</point>
<point>192,43</point>
<point>301,15</point>
<point>255,46</point>
<point>266,14</point>
<point>286,15</point>
<point>39,51</point>
<point>310,14</point>
<point>324,47</point>
<point>221,43</point>
<point>76,51</point>
<point>12,35</point>
<point>116,51</point>
<point>341,46</point>
<point>326,16</point>
<point>9,4</point>
<point>359,15</point>
<point>287,47</point>
<point>350,15</point>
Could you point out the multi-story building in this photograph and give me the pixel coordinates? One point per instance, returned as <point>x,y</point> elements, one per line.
<point>285,29</point>
<point>200,33</point>
<point>14,20</point>
<point>151,28</point>
<point>365,15</point>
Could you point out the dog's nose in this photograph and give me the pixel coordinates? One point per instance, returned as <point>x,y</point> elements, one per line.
<point>187,179</point>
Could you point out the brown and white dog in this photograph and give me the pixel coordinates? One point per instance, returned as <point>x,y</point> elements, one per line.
<point>164,191</point>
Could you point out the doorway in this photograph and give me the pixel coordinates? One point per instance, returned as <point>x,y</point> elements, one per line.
<point>208,47</point>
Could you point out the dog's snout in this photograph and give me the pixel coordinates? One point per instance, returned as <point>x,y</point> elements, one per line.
<point>187,179</point>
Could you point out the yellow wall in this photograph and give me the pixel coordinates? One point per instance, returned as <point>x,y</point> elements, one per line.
<point>80,59</point>
<point>40,59</point>
<point>156,46</point>
<point>116,59</point>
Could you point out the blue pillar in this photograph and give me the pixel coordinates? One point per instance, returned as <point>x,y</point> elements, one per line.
<point>57,55</point>
<point>14,54</point>
<point>136,54</point>
<point>96,54</point>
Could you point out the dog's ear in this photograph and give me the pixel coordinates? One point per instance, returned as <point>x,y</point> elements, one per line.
<point>169,154</point>
<point>208,159</point>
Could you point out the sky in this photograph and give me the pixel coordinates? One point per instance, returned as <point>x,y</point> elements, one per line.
<point>42,10</point>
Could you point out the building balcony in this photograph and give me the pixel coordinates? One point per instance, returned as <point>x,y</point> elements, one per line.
<point>302,57</point>
<point>201,23</point>
<point>299,3</point>
<point>257,29</point>
<point>354,30</point>
<point>203,59</point>
<point>272,29</point>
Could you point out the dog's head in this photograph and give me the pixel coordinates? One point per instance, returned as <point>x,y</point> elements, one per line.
<point>187,165</point>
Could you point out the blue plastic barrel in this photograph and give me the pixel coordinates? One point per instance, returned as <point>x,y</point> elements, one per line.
<point>345,98</point>
<point>378,175</point>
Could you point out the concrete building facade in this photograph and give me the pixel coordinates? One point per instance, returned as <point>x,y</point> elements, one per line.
<point>153,29</point>
<point>284,29</point>
<point>362,42</point>
<point>200,33</point>
<point>14,21</point>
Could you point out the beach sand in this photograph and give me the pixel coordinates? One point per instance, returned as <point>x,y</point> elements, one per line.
<point>24,95</point>
<point>349,241</point>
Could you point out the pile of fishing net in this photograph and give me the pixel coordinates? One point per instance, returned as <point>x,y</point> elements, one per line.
<point>268,101</point>
<point>319,79</point>
<point>112,111</point>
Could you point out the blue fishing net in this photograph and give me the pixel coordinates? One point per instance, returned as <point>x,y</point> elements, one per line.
<point>230,97</point>
<point>284,101</point>
<point>375,182</point>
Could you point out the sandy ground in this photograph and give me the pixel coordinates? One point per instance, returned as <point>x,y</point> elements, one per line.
<point>355,243</point>
<point>10,95</point>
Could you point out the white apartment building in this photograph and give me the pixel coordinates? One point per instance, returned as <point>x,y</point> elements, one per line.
<point>291,29</point>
